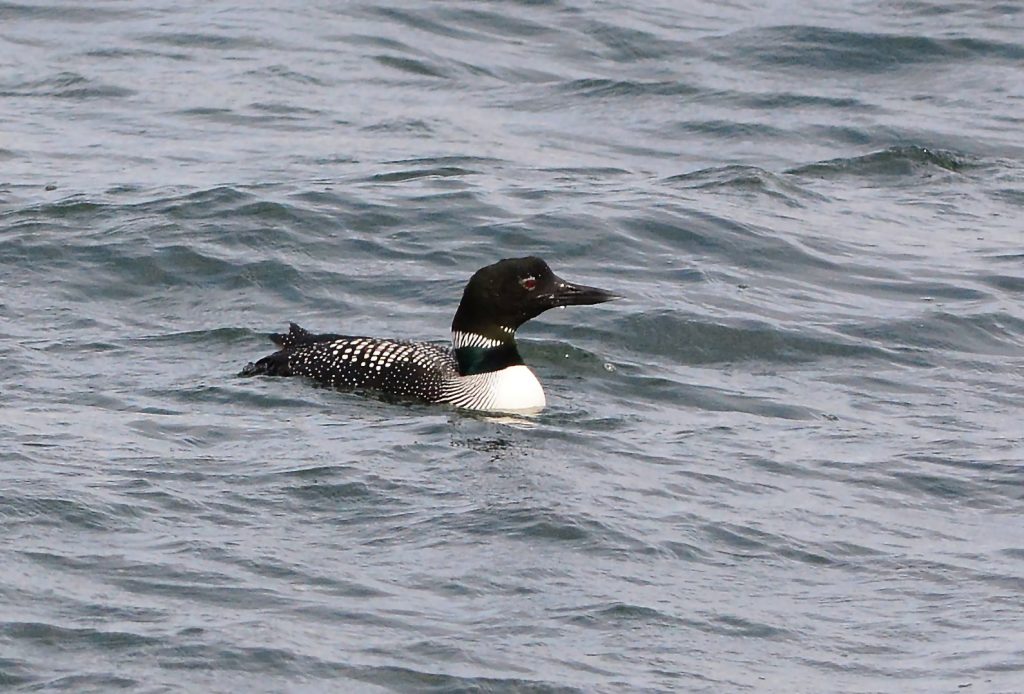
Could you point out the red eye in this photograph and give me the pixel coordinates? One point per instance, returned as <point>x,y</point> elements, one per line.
<point>528,283</point>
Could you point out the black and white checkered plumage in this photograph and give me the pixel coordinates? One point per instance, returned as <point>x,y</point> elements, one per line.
<point>482,370</point>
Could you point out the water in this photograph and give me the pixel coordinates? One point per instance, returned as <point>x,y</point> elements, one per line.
<point>791,460</point>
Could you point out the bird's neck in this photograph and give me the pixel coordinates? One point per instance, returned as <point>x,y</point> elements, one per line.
<point>481,353</point>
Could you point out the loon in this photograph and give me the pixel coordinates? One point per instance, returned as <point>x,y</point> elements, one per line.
<point>482,370</point>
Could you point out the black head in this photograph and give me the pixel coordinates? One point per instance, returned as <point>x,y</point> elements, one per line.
<point>501,297</point>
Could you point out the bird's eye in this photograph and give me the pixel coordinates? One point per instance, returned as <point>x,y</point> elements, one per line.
<point>528,283</point>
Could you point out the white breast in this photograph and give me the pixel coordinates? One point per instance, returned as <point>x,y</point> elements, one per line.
<point>516,389</point>
<point>513,389</point>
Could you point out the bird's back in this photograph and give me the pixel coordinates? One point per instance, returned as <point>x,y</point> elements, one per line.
<point>403,369</point>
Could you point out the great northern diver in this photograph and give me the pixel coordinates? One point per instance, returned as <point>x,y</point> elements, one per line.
<point>481,371</point>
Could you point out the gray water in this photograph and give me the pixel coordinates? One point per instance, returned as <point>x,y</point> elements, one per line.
<point>792,460</point>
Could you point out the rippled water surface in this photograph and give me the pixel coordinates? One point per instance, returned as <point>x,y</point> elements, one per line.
<point>791,460</point>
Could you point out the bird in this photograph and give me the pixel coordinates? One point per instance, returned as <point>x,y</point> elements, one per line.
<point>482,370</point>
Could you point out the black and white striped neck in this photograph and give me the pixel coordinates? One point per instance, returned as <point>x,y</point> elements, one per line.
<point>477,353</point>
<point>495,338</point>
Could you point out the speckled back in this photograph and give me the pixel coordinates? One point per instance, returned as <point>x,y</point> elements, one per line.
<point>413,369</point>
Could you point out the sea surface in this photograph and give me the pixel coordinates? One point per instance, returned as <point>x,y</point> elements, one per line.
<point>790,460</point>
